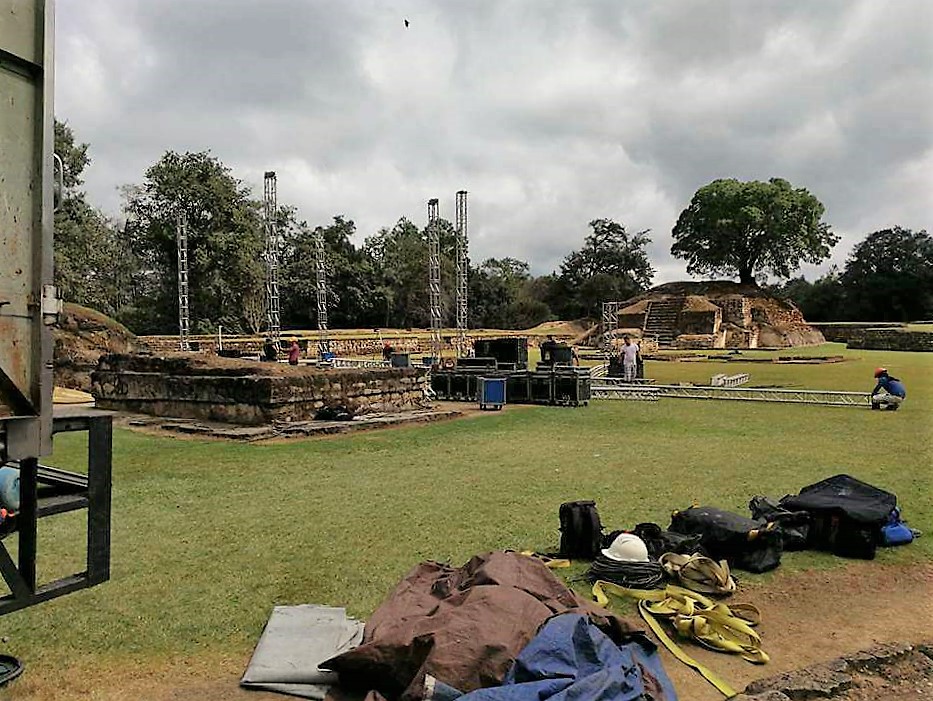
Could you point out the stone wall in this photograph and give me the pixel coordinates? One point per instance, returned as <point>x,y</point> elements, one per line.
<point>699,323</point>
<point>843,332</point>
<point>248,392</point>
<point>343,346</point>
<point>893,340</point>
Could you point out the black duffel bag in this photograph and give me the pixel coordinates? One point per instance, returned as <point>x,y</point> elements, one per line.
<point>746,544</point>
<point>846,515</point>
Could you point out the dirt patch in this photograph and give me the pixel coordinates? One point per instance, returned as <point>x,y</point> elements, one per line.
<point>815,616</point>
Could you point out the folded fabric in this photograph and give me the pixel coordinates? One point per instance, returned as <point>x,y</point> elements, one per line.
<point>570,658</point>
<point>462,625</point>
<point>295,641</point>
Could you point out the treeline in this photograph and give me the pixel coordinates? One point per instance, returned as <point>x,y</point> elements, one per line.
<point>129,271</point>
<point>888,277</point>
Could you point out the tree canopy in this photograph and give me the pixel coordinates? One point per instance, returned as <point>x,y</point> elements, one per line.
<point>736,228</point>
<point>611,265</point>
<point>889,276</point>
<point>225,242</point>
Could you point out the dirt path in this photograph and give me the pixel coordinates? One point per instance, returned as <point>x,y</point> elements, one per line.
<point>808,617</point>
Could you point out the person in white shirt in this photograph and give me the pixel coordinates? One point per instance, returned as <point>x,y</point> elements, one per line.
<point>629,359</point>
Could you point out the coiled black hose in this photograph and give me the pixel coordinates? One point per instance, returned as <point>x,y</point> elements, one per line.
<point>632,575</point>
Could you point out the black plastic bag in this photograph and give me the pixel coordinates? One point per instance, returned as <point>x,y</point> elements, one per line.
<point>744,543</point>
<point>794,525</point>
<point>846,515</point>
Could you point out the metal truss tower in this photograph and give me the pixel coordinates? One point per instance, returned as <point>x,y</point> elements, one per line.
<point>184,316</point>
<point>272,255</point>
<point>434,278</point>
<point>610,324</point>
<point>320,267</point>
<point>463,267</point>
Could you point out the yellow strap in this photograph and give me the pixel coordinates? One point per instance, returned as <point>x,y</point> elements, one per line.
<point>708,674</point>
<point>694,616</point>
<point>553,563</point>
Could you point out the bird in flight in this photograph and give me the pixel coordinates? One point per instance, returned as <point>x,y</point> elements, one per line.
<point>406,24</point>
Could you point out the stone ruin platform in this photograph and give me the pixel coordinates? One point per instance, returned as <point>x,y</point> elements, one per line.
<point>248,393</point>
<point>887,671</point>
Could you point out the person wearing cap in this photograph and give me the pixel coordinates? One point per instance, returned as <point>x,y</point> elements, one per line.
<point>888,393</point>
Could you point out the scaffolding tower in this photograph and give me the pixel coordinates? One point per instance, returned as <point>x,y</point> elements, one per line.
<point>320,266</point>
<point>434,278</point>
<point>184,316</point>
<point>463,267</point>
<point>610,324</point>
<point>272,255</point>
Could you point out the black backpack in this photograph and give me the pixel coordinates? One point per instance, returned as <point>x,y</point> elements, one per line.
<point>580,530</point>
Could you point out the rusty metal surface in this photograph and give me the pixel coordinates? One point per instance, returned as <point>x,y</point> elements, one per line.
<point>26,142</point>
<point>18,33</point>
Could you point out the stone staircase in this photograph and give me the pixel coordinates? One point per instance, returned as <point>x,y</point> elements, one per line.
<point>661,319</point>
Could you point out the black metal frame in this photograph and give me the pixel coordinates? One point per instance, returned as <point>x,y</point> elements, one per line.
<point>46,491</point>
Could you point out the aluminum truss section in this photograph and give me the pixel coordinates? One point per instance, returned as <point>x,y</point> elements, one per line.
<point>746,394</point>
<point>610,324</point>
<point>463,267</point>
<point>320,266</point>
<point>434,278</point>
<point>723,380</point>
<point>270,207</point>
<point>644,393</point>
<point>184,314</point>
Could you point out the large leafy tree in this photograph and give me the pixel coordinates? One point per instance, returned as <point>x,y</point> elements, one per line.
<point>225,240</point>
<point>739,229</point>
<point>889,276</point>
<point>612,264</point>
<point>354,299</point>
<point>504,295</point>
<point>93,265</point>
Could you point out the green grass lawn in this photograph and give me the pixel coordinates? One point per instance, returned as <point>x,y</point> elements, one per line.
<point>208,536</point>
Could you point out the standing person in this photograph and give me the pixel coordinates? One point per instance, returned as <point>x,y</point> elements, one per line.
<point>387,352</point>
<point>629,358</point>
<point>293,352</point>
<point>270,353</point>
<point>888,393</point>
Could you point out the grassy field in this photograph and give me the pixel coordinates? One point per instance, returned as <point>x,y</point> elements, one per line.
<point>208,536</point>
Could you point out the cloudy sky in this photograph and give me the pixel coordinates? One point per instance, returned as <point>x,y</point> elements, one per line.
<point>551,113</point>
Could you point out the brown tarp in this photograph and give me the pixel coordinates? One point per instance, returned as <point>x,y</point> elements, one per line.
<point>463,626</point>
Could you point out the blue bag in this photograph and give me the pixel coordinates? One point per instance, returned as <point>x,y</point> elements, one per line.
<point>895,531</point>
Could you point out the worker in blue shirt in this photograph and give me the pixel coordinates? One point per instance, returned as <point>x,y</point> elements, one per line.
<point>888,393</point>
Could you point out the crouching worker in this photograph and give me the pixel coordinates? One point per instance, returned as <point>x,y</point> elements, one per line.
<point>888,393</point>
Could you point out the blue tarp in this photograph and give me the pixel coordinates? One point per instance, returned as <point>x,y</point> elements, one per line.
<point>570,659</point>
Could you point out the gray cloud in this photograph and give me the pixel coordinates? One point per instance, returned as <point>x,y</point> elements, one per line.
<point>550,113</point>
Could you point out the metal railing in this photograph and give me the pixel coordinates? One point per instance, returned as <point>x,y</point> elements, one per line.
<point>747,394</point>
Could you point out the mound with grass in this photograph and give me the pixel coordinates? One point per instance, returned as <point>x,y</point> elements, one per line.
<point>81,336</point>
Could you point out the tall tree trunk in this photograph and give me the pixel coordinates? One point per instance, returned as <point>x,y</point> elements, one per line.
<point>746,276</point>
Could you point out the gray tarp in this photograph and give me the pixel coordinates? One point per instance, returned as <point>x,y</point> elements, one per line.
<point>295,640</point>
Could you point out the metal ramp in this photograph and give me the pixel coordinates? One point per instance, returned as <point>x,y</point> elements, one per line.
<point>746,394</point>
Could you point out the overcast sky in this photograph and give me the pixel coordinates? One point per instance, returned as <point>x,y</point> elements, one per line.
<point>549,113</point>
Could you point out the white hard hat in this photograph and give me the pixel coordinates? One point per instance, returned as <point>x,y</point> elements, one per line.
<point>627,547</point>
